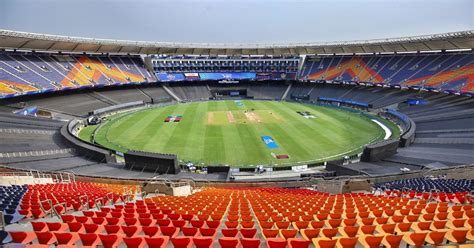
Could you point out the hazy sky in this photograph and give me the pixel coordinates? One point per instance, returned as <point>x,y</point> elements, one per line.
<point>231,21</point>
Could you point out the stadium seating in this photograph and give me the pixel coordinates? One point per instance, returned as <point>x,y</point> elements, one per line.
<point>10,198</point>
<point>448,71</point>
<point>298,217</point>
<point>430,184</point>
<point>23,73</point>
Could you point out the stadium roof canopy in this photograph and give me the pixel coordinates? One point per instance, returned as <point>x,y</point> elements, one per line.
<point>44,42</point>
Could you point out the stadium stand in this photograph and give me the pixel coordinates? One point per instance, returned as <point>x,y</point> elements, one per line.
<point>23,73</point>
<point>430,184</point>
<point>449,71</point>
<point>275,217</point>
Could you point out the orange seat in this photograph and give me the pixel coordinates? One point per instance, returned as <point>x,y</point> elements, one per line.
<point>457,236</point>
<point>392,241</point>
<point>310,233</point>
<point>373,241</point>
<point>416,239</point>
<point>423,226</point>
<point>270,233</point>
<point>368,221</point>
<point>439,224</point>
<point>334,223</point>
<point>350,242</point>
<point>282,224</point>
<point>350,222</point>
<point>404,227</point>
<point>323,243</point>
<point>329,232</point>
<point>286,234</point>
<point>367,229</point>
<point>351,231</point>
<point>298,243</point>
<point>317,224</point>
<point>301,224</point>
<point>435,238</point>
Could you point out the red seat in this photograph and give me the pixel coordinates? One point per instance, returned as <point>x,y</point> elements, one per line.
<point>230,232</point>
<point>203,242</point>
<point>207,232</point>
<point>213,223</point>
<point>134,242</point>
<point>178,223</point>
<point>45,238</point>
<point>56,226</point>
<point>66,238</point>
<point>39,226</point>
<point>156,241</point>
<point>197,223</point>
<point>189,231</point>
<point>270,233</point>
<point>98,220</point>
<point>82,219</point>
<point>110,240</point>
<point>181,242</point>
<point>93,228</point>
<point>276,243</point>
<point>227,242</point>
<point>145,221</point>
<point>89,239</point>
<point>75,226</point>
<point>22,237</point>
<point>130,231</point>
<point>169,231</point>
<point>111,229</point>
<point>67,218</point>
<point>150,231</point>
<point>250,243</point>
<point>248,233</point>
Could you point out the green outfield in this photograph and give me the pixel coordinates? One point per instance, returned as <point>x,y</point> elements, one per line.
<point>222,132</point>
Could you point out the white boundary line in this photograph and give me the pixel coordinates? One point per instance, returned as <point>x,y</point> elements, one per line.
<point>388,133</point>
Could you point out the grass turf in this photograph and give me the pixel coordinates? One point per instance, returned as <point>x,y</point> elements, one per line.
<point>220,132</point>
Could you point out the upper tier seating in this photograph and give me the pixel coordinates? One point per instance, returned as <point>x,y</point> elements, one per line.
<point>22,73</point>
<point>449,71</point>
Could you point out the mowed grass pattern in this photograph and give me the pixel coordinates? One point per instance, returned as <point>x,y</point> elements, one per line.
<point>207,134</point>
